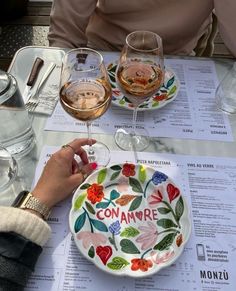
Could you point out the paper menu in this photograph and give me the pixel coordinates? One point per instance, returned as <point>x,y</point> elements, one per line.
<point>193,114</point>
<point>209,259</point>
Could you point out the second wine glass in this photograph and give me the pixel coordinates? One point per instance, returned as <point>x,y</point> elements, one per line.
<point>139,75</point>
<point>85,93</point>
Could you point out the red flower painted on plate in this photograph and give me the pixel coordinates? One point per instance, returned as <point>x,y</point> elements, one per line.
<point>104,253</point>
<point>155,198</point>
<point>141,264</point>
<point>160,97</point>
<point>128,170</point>
<point>173,192</point>
<point>95,193</point>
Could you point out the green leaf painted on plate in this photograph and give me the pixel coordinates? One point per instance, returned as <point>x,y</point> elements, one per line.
<point>117,263</point>
<point>79,223</point>
<point>143,105</point>
<point>155,104</point>
<point>142,174</point>
<point>101,176</point>
<point>91,252</point>
<point>111,68</point>
<point>166,223</point>
<point>111,240</point>
<point>164,210</point>
<point>179,208</point>
<point>166,242</point>
<point>129,232</point>
<point>114,175</point>
<point>126,100</point>
<point>136,203</point>
<point>116,168</point>
<point>172,91</point>
<point>79,201</point>
<point>90,207</point>
<point>99,225</point>
<point>170,82</point>
<point>85,186</point>
<point>163,91</point>
<point>128,247</point>
<point>122,102</point>
<point>102,205</point>
<point>112,78</point>
<point>136,186</point>
<point>114,194</point>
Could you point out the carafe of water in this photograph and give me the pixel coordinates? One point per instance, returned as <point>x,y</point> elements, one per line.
<point>16,133</point>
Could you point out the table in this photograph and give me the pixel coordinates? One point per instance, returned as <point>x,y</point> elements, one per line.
<point>19,67</point>
<point>22,63</point>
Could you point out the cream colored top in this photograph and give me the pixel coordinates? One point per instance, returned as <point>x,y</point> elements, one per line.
<point>104,24</point>
<point>24,223</point>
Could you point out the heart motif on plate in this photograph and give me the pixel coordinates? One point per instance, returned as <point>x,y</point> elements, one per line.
<point>173,192</point>
<point>139,215</point>
<point>104,253</point>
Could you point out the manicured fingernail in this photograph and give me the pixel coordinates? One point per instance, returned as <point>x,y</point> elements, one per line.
<point>94,166</point>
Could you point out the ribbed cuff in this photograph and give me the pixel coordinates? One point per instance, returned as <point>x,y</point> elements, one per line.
<point>24,223</point>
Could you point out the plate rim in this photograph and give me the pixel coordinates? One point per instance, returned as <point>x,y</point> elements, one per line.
<point>167,68</point>
<point>133,274</point>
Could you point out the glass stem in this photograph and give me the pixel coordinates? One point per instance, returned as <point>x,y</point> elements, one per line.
<point>134,120</point>
<point>90,150</point>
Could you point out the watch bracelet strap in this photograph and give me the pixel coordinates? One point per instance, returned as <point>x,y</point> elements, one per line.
<point>34,204</point>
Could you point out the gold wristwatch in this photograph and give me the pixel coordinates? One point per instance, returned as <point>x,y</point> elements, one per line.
<point>25,200</point>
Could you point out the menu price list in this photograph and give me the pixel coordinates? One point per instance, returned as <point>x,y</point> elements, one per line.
<point>209,258</point>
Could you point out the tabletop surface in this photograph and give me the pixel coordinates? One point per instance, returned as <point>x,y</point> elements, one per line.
<point>210,194</point>
<point>22,63</point>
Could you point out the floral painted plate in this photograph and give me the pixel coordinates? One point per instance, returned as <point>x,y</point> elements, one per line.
<point>165,94</point>
<point>130,220</point>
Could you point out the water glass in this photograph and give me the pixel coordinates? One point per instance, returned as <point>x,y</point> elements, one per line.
<point>16,133</point>
<point>226,92</point>
<point>8,168</point>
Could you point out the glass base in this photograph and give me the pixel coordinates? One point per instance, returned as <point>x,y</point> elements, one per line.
<point>8,169</point>
<point>132,142</point>
<point>100,154</point>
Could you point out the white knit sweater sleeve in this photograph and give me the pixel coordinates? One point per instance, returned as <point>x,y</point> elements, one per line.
<point>24,223</point>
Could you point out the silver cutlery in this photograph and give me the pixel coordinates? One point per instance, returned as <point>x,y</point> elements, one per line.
<point>37,65</point>
<point>34,99</point>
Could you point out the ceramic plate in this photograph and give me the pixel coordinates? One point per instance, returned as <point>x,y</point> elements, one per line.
<point>130,220</point>
<point>165,94</point>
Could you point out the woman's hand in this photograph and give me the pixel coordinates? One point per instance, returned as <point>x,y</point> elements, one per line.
<point>62,174</point>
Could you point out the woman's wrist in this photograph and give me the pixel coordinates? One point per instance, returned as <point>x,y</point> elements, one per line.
<point>43,197</point>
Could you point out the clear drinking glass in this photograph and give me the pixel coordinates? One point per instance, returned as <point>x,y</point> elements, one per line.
<point>226,92</point>
<point>8,168</point>
<point>16,132</point>
<point>85,93</point>
<point>139,75</point>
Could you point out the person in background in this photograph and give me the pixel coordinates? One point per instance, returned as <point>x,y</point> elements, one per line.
<point>23,227</point>
<point>186,26</point>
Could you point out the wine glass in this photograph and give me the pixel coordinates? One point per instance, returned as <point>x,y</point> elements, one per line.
<point>139,75</point>
<point>85,93</point>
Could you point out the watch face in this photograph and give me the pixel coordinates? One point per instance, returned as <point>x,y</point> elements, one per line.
<point>19,199</point>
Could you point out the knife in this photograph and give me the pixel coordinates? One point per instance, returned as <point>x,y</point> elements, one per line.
<point>37,65</point>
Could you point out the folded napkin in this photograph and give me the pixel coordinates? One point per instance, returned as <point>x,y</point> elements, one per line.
<point>49,92</point>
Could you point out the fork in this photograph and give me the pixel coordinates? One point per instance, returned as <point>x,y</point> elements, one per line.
<point>33,100</point>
